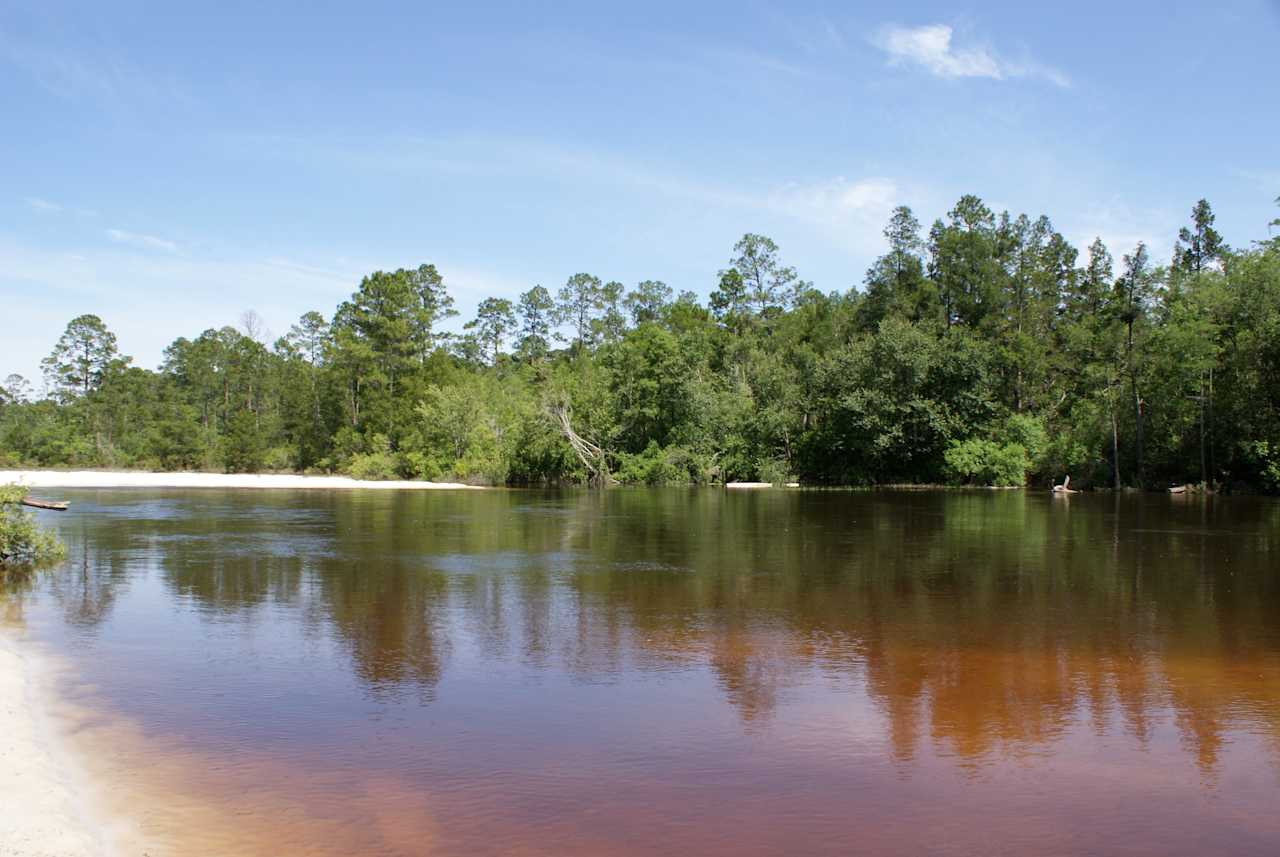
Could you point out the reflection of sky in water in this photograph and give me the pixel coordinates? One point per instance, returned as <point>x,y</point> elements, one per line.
<point>819,657</point>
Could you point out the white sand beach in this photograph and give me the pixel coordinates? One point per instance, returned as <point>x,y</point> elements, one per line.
<point>138,479</point>
<point>46,809</point>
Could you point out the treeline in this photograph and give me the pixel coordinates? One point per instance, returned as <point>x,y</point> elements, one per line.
<point>985,350</point>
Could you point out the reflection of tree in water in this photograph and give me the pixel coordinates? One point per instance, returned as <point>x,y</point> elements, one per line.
<point>231,578</point>
<point>752,668</point>
<point>978,619</point>
<point>15,590</point>
<point>981,623</point>
<point>393,621</point>
<point>87,585</point>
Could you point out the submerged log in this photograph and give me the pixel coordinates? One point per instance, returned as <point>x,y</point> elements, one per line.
<point>55,505</point>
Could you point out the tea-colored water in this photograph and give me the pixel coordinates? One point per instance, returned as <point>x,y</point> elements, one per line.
<point>675,671</point>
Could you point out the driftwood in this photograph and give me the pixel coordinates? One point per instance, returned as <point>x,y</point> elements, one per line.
<point>590,454</point>
<point>1065,487</point>
<point>56,506</point>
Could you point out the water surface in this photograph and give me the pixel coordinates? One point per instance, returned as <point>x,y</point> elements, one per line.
<point>676,671</point>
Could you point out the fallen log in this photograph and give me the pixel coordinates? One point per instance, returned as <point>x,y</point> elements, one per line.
<point>55,505</point>
<point>593,457</point>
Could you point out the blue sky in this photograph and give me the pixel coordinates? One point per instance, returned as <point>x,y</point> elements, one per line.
<point>169,169</point>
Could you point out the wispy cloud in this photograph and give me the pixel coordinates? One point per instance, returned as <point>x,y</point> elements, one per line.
<point>324,273</point>
<point>1122,225</point>
<point>850,212</point>
<point>39,204</point>
<point>932,48</point>
<point>90,73</point>
<point>145,242</point>
<point>1268,180</point>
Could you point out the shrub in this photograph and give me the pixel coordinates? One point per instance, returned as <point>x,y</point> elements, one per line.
<point>650,467</point>
<point>773,471</point>
<point>280,458</point>
<point>242,447</point>
<point>985,462</point>
<point>1029,433</point>
<point>375,466</point>
<point>379,463</point>
<point>22,540</point>
<point>1266,458</point>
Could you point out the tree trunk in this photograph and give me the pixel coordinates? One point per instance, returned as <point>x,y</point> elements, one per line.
<point>1204,461</point>
<point>1209,430</point>
<point>1115,443</point>
<point>592,456</point>
<point>1137,406</point>
<point>56,506</point>
<point>1137,416</point>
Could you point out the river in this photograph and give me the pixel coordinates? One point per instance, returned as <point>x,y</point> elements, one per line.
<point>697,671</point>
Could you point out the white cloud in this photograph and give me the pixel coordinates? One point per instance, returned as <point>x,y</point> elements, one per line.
<point>1122,226</point>
<point>931,48</point>
<point>145,242</point>
<point>42,204</point>
<point>849,213</point>
<point>835,198</point>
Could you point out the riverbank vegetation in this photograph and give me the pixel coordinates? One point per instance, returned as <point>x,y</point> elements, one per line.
<point>983,349</point>
<point>22,541</point>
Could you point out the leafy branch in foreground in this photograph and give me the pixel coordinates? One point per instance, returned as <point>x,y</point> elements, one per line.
<point>22,540</point>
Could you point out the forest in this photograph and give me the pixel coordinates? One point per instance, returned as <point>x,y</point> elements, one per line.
<point>983,350</point>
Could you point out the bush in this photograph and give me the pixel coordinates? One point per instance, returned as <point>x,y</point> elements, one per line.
<point>22,540</point>
<point>242,450</point>
<point>374,466</point>
<point>1029,433</point>
<point>280,458</point>
<point>773,471</point>
<point>1266,458</point>
<point>985,462</point>
<point>377,464</point>
<point>650,467</point>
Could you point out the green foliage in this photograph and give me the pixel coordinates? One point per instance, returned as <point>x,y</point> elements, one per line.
<point>243,450</point>
<point>1028,432</point>
<point>650,466</point>
<point>82,357</point>
<point>379,465</point>
<point>1266,458</point>
<point>773,471</point>
<point>22,540</point>
<point>985,351</point>
<point>655,465</point>
<point>985,462</point>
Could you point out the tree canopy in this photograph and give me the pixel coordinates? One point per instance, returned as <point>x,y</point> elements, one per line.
<point>986,349</point>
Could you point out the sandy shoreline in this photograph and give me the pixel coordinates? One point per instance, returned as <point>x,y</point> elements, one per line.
<point>48,808</point>
<point>138,479</point>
